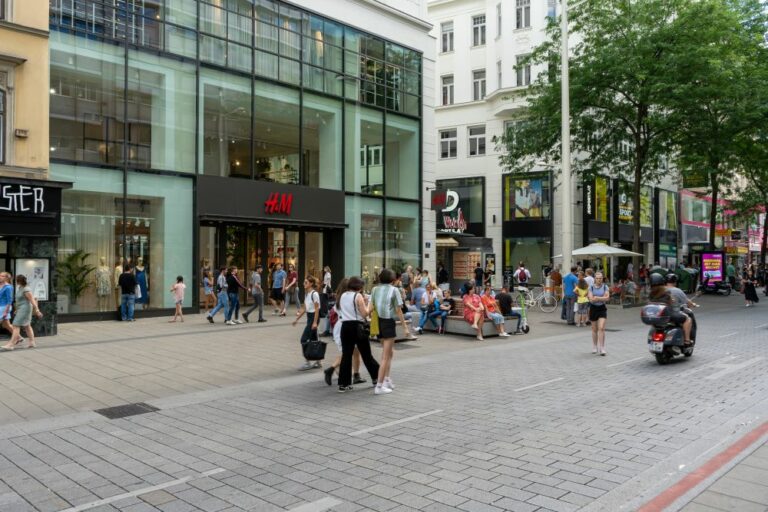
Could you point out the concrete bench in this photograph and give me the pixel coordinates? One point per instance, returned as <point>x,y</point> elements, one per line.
<point>456,325</point>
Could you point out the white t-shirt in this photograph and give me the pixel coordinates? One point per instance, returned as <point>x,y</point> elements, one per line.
<point>521,271</point>
<point>310,299</point>
<point>349,312</point>
<point>590,280</point>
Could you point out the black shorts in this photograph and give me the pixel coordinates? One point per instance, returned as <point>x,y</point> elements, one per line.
<point>277,294</point>
<point>387,328</point>
<point>597,312</point>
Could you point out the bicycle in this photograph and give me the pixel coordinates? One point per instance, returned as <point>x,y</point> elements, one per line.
<point>545,298</point>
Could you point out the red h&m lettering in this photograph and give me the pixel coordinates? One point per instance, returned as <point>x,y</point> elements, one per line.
<point>278,203</point>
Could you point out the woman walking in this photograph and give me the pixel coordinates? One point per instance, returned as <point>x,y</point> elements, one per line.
<point>210,297</point>
<point>26,305</point>
<point>474,312</point>
<point>6,301</point>
<point>178,296</point>
<point>291,289</point>
<point>387,301</point>
<point>312,308</point>
<point>598,295</point>
<point>354,334</point>
<point>335,319</point>
<point>748,284</point>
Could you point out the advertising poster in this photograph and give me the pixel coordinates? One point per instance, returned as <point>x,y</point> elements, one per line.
<point>712,266</point>
<point>626,203</point>
<point>528,198</point>
<point>667,210</point>
<point>646,207</point>
<point>601,199</point>
<point>37,274</point>
<point>490,263</point>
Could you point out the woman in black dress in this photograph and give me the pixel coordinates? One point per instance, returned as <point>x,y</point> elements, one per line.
<point>750,293</point>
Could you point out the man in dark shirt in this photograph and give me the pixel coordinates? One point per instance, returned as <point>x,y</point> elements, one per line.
<point>479,274</point>
<point>127,284</point>
<point>505,302</point>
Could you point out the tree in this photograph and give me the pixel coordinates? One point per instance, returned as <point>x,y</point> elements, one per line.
<point>751,197</point>
<point>619,75</point>
<point>723,99</point>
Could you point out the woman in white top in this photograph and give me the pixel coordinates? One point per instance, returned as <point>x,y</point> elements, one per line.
<point>311,307</point>
<point>336,330</point>
<point>354,312</point>
<point>388,303</point>
<point>328,290</point>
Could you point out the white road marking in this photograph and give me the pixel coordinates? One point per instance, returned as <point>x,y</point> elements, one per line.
<point>733,368</point>
<point>317,506</point>
<point>761,325</point>
<point>729,335</point>
<point>627,361</point>
<point>396,422</point>
<point>145,490</point>
<point>539,384</point>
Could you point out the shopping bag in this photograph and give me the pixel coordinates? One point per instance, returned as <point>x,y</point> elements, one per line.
<point>314,350</point>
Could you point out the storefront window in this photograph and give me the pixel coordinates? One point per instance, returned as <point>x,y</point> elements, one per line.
<point>161,113</point>
<point>402,157</point>
<point>321,137</point>
<point>313,254</point>
<point>534,252</point>
<point>527,197</point>
<point>402,235</point>
<point>226,111</point>
<point>86,100</point>
<point>363,135</point>
<point>363,240</point>
<point>276,134</point>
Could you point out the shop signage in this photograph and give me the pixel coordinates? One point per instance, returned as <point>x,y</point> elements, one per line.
<point>459,206</point>
<point>22,199</point>
<point>736,234</point>
<point>667,250</point>
<point>453,215</point>
<point>723,232</point>
<point>278,203</point>
<point>589,198</point>
<point>737,249</point>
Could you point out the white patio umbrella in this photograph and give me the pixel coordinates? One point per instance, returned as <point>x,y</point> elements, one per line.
<point>600,250</point>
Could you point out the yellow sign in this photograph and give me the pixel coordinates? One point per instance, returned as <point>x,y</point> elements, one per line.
<point>737,250</point>
<point>723,232</point>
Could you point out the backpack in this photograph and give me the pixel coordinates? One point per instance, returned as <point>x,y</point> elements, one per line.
<point>522,276</point>
<point>323,305</point>
<point>333,317</point>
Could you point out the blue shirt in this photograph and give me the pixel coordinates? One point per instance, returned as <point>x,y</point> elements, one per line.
<point>418,293</point>
<point>6,295</point>
<point>569,283</point>
<point>278,279</point>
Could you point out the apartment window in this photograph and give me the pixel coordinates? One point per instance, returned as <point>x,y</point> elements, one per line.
<point>523,13</point>
<point>446,36</point>
<point>478,30</point>
<point>448,143</point>
<point>478,85</point>
<point>447,87</point>
<point>2,14</point>
<point>2,123</point>
<point>498,74</point>
<point>523,71</point>
<point>476,140</point>
<point>498,20</point>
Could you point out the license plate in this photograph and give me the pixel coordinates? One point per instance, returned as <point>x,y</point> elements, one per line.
<point>657,346</point>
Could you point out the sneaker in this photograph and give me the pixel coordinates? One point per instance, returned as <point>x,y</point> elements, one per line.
<point>602,353</point>
<point>344,389</point>
<point>261,320</point>
<point>329,376</point>
<point>388,383</point>
<point>381,390</point>
<point>238,321</point>
<point>357,379</point>
<point>305,366</point>
<point>229,322</point>
<point>326,334</point>
<point>504,334</point>
<point>419,331</point>
<point>594,351</point>
<point>210,318</point>
<point>317,365</point>
<point>245,317</point>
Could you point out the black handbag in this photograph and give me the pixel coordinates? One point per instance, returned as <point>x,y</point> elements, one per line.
<point>314,350</point>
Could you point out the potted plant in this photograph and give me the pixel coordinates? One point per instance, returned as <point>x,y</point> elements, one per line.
<point>74,274</point>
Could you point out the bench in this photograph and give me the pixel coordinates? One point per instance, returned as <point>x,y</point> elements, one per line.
<point>455,324</point>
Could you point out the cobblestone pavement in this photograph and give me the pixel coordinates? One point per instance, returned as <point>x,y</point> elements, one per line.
<point>533,423</point>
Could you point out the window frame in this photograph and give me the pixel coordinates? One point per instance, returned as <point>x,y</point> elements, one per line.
<point>447,36</point>
<point>478,30</point>
<point>498,20</point>
<point>499,73</point>
<point>478,140</point>
<point>522,73</point>
<point>479,85</point>
<point>522,14</point>
<point>3,15</point>
<point>450,88</point>
<point>452,143</point>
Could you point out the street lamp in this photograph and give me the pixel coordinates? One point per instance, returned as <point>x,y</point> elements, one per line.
<point>567,228</point>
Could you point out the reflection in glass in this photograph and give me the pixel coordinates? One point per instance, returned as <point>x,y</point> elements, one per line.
<point>321,136</point>
<point>402,157</point>
<point>402,236</point>
<point>226,124</point>
<point>364,156</point>
<point>276,134</point>
<point>313,254</point>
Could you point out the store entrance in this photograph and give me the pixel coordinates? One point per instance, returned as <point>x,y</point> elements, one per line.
<point>246,247</point>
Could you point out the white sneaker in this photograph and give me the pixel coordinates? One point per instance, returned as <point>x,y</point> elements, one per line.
<point>388,384</point>
<point>504,334</point>
<point>238,321</point>
<point>305,366</point>
<point>229,322</point>
<point>381,390</point>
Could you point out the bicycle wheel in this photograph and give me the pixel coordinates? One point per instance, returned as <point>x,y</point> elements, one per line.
<point>548,303</point>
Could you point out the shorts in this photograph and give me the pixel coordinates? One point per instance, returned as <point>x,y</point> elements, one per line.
<point>179,302</point>
<point>583,308</point>
<point>497,318</point>
<point>387,328</point>
<point>277,294</point>
<point>597,312</point>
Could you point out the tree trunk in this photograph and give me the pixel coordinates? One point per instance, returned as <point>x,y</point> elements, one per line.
<point>713,212</point>
<point>765,232</point>
<point>636,218</point>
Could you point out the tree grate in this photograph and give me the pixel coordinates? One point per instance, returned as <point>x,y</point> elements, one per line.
<point>123,411</point>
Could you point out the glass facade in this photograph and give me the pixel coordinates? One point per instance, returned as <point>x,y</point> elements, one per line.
<point>148,94</point>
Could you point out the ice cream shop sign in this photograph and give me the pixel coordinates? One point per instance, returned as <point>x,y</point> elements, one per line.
<point>458,206</point>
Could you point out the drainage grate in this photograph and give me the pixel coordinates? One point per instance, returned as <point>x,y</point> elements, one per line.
<point>122,411</point>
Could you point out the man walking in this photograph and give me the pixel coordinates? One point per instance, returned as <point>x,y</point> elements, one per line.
<point>569,291</point>
<point>278,297</point>
<point>127,284</point>
<point>221,293</point>
<point>233,293</point>
<point>257,293</point>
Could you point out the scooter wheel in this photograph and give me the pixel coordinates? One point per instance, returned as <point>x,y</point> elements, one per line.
<point>525,329</point>
<point>728,293</point>
<point>688,352</point>
<point>663,358</point>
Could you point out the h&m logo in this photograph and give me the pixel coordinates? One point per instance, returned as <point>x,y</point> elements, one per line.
<point>278,203</point>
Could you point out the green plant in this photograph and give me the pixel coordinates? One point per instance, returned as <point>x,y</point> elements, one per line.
<point>74,274</point>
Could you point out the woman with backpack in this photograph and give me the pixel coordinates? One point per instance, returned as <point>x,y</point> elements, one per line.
<point>311,307</point>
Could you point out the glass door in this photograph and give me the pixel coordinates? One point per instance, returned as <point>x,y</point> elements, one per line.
<point>275,250</point>
<point>313,254</point>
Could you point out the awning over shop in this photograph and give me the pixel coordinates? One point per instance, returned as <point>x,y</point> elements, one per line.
<point>446,242</point>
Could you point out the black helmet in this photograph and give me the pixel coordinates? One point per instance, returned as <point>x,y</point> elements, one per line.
<point>671,279</point>
<point>657,280</point>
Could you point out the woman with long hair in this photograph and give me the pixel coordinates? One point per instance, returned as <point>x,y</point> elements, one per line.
<point>336,330</point>
<point>311,307</point>
<point>26,306</point>
<point>388,303</point>
<point>354,312</point>
<point>598,295</point>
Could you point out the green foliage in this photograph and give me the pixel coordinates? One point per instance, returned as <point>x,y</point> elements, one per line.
<point>74,274</point>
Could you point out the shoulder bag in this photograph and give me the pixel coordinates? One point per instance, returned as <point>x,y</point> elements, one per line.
<point>363,329</point>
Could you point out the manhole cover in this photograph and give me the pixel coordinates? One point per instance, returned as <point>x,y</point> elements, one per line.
<point>122,411</point>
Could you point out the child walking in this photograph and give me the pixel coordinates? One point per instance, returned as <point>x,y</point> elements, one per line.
<point>582,300</point>
<point>178,293</point>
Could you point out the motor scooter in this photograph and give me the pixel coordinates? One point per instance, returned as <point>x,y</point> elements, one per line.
<point>666,338</point>
<point>716,287</point>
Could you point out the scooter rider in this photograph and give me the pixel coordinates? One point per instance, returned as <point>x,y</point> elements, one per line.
<point>679,301</point>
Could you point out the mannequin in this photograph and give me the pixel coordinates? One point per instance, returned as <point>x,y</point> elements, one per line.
<point>118,271</point>
<point>311,270</point>
<point>366,279</point>
<point>204,268</point>
<point>142,278</point>
<point>103,283</point>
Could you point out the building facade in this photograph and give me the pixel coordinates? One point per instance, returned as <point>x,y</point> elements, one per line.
<point>204,133</point>
<point>30,202</point>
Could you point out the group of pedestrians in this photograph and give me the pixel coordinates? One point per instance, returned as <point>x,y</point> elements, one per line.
<point>25,307</point>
